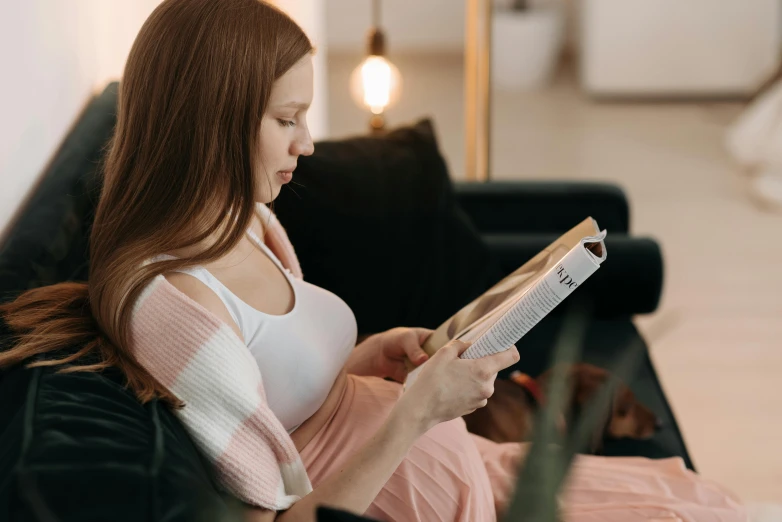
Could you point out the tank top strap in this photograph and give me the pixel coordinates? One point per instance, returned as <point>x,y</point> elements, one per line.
<point>268,251</point>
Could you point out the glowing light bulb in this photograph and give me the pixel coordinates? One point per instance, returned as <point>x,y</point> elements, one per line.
<point>376,84</point>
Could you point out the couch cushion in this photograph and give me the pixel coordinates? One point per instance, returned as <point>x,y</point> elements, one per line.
<point>374,219</point>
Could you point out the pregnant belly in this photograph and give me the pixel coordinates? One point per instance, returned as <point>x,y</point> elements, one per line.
<point>310,427</point>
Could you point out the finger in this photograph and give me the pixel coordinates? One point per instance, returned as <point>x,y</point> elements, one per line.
<point>456,347</point>
<point>414,352</point>
<point>423,334</point>
<point>477,406</point>
<point>500,361</point>
<point>399,374</point>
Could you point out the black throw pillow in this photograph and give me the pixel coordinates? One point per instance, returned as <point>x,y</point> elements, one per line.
<point>374,219</point>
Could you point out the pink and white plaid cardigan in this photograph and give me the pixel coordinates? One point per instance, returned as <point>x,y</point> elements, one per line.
<point>208,367</point>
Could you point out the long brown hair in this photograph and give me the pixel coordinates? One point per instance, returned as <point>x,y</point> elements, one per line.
<point>182,159</point>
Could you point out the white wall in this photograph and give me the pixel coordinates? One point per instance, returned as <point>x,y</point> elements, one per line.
<point>56,53</point>
<point>425,25</point>
<point>411,25</point>
<point>311,16</point>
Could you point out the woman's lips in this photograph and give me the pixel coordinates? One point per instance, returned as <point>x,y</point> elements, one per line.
<point>285,175</point>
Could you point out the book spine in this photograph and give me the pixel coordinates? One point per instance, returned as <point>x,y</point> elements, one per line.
<point>558,283</point>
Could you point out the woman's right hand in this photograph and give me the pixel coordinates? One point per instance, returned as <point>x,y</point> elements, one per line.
<point>449,387</point>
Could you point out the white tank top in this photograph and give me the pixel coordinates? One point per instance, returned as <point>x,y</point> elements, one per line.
<point>300,353</point>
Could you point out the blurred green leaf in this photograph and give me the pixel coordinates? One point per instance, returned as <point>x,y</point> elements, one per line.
<point>548,461</point>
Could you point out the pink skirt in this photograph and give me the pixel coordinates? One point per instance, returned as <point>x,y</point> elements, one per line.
<point>451,475</point>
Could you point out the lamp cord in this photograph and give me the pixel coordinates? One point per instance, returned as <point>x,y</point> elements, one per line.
<point>376,13</point>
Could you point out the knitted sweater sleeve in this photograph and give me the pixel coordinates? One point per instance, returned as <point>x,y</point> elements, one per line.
<point>202,361</point>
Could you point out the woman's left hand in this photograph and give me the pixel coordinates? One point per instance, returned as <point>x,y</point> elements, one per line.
<point>385,354</point>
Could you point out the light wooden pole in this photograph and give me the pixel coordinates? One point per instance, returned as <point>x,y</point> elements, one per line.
<point>477,75</point>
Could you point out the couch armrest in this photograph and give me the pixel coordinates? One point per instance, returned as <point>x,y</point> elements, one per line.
<point>629,281</point>
<point>542,206</point>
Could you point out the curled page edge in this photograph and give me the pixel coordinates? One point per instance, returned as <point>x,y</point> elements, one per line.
<point>600,238</point>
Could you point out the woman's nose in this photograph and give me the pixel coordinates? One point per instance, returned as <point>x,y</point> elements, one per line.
<point>308,148</point>
<point>304,146</point>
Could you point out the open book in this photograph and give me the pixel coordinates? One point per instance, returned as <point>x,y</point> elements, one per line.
<point>496,320</point>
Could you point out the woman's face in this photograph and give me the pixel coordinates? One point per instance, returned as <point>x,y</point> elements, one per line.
<point>284,132</point>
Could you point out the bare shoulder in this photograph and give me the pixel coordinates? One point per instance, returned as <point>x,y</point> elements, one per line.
<point>203,295</point>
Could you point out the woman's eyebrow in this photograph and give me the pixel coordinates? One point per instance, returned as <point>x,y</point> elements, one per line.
<point>295,105</point>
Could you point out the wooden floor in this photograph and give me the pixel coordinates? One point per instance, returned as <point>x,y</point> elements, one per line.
<point>717,337</point>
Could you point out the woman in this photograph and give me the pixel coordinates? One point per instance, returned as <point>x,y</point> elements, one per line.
<point>187,299</point>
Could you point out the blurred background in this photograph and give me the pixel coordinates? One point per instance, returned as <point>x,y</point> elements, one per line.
<point>674,100</point>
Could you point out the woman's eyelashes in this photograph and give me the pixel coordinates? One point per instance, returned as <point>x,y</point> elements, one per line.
<point>286,123</point>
